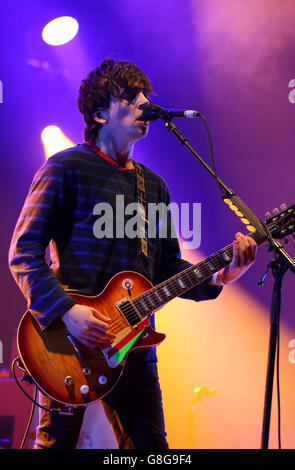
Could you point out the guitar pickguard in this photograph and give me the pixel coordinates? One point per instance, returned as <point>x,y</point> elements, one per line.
<point>124,342</point>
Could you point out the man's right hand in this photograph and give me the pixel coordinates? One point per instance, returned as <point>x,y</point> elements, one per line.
<point>88,326</point>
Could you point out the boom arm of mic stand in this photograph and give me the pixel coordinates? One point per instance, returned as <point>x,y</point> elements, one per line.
<point>228,193</point>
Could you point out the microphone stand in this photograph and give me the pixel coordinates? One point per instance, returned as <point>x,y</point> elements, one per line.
<point>279,265</point>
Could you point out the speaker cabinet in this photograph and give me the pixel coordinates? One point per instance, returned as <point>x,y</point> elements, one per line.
<point>6,431</point>
<point>15,410</point>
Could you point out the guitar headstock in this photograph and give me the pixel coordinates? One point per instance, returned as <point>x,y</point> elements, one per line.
<point>282,223</point>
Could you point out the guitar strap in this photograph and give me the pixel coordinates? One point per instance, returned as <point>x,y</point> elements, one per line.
<point>142,210</point>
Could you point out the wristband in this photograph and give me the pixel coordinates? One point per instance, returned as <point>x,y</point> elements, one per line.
<point>217,278</point>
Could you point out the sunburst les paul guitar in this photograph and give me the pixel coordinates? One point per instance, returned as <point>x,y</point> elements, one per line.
<point>73,374</point>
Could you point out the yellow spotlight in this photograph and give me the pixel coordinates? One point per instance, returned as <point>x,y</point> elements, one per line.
<point>54,141</point>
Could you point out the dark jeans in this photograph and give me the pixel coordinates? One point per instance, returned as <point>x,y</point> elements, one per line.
<point>133,408</point>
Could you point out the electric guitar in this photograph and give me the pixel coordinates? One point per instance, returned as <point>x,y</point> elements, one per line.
<point>74,374</point>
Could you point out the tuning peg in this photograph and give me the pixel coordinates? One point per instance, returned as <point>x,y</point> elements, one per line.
<point>268,215</point>
<point>283,207</point>
<point>275,211</point>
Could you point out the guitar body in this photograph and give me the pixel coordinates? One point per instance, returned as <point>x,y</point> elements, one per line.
<point>72,373</point>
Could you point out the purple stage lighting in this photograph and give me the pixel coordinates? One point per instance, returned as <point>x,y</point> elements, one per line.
<point>60,30</point>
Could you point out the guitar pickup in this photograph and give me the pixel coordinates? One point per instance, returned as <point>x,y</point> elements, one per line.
<point>129,312</point>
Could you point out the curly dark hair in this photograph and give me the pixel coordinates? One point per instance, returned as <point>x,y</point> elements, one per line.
<point>117,78</point>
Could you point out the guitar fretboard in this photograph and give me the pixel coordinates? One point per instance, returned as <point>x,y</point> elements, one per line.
<point>159,295</point>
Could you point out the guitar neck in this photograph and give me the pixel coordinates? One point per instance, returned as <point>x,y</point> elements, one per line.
<point>190,277</point>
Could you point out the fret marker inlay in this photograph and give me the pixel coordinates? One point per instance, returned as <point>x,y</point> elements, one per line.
<point>159,298</point>
<point>181,283</point>
<point>225,256</point>
<point>198,273</point>
<point>165,289</point>
<point>211,265</point>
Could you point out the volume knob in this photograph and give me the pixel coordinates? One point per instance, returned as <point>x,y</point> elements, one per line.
<point>69,380</point>
<point>84,389</point>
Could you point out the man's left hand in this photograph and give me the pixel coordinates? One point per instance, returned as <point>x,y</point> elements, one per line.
<point>244,255</point>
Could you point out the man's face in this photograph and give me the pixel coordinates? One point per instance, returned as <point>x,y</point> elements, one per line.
<point>123,119</point>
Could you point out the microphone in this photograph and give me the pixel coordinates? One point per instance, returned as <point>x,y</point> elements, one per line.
<point>151,112</point>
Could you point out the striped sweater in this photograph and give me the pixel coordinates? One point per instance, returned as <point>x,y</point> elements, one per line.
<point>59,212</point>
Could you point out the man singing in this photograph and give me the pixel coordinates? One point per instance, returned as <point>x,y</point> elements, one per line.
<point>59,211</point>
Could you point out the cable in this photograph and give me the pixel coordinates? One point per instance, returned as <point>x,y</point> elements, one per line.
<point>211,151</point>
<point>33,400</point>
<point>30,420</point>
<point>51,410</point>
<point>17,359</point>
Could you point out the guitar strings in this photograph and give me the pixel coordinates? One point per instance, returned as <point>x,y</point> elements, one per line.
<point>156,296</point>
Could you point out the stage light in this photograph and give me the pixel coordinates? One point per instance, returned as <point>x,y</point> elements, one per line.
<point>60,30</point>
<point>54,140</point>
